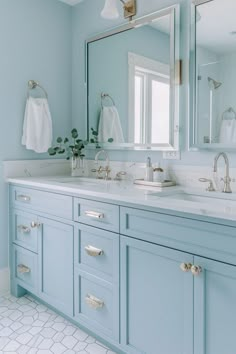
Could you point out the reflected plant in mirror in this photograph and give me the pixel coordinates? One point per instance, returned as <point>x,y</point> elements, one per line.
<point>94,139</point>
<point>133,95</point>
<point>213,65</point>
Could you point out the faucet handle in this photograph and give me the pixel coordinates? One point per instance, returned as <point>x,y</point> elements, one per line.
<point>119,175</point>
<point>98,171</point>
<point>210,187</point>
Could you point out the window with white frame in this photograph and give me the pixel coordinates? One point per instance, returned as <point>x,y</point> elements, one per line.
<point>149,97</point>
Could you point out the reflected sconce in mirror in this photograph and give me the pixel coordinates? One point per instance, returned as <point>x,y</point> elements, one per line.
<point>110,11</point>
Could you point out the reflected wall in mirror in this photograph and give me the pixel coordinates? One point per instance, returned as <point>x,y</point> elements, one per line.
<point>214,101</point>
<point>132,92</point>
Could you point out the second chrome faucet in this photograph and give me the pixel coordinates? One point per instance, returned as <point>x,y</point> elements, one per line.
<point>226,179</point>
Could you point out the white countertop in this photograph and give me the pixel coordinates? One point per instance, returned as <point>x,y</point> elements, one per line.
<point>220,207</point>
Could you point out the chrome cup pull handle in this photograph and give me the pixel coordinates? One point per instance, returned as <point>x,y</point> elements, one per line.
<point>94,214</point>
<point>21,268</point>
<point>24,229</point>
<point>93,251</point>
<point>94,302</point>
<point>23,198</point>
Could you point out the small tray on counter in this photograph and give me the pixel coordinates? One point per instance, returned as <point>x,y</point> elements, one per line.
<point>166,183</point>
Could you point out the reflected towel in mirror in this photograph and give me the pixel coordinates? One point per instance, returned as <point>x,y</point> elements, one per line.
<point>110,126</point>
<point>37,128</point>
<point>228,131</point>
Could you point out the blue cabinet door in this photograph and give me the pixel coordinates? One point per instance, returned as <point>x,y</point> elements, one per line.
<point>156,299</point>
<point>56,265</point>
<point>214,308</point>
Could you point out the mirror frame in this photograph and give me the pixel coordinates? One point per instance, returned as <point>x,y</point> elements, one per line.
<point>192,144</point>
<point>175,79</point>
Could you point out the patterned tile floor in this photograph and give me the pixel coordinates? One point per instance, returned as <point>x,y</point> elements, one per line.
<point>28,327</point>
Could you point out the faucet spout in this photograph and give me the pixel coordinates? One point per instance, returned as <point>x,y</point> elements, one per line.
<point>227,179</point>
<point>102,152</point>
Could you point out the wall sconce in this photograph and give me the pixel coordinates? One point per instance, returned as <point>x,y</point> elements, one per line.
<point>110,10</point>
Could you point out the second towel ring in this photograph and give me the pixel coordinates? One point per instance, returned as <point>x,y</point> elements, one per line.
<point>104,96</point>
<point>32,84</point>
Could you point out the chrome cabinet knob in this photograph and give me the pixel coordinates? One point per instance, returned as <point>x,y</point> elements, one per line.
<point>196,270</point>
<point>34,224</point>
<point>185,267</point>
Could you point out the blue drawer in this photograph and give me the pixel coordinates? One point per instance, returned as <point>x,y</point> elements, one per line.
<point>97,305</point>
<point>97,252</point>
<point>25,230</point>
<point>102,215</point>
<point>210,240</point>
<point>45,202</point>
<point>26,268</point>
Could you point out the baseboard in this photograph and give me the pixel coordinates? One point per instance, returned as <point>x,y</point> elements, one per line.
<point>4,281</point>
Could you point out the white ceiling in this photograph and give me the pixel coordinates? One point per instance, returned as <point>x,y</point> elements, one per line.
<point>71,2</point>
<point>215,27</point>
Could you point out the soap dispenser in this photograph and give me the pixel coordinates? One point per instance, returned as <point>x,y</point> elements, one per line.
<point>149,171</point>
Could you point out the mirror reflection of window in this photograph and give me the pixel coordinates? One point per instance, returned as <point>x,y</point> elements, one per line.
<point>151,100</point>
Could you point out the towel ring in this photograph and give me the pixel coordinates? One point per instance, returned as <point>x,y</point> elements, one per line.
<point>104,96</point>
<point>229,114</point>
<point>33,84</point>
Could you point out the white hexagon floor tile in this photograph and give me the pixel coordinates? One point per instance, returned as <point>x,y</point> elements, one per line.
<point>27,327</point>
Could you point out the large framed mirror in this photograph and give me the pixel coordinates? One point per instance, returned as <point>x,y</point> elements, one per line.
<point>133,78</point>
<point>213,75</point>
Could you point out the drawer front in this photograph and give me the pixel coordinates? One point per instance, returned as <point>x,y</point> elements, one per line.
<point>98,214</point>
<point>198,237</point>
<point>45,202</point>
<point>97,252</point>
<point>25,268</point>
<point>97,305</point>
<point>24,230</point>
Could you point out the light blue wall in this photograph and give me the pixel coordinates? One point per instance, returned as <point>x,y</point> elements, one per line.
<point>88,22</point>
<point>35,37</point>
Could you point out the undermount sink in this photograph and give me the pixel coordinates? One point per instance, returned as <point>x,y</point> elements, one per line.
<point>220,203</point>
<point>75,180</point>
<point>193,198</point>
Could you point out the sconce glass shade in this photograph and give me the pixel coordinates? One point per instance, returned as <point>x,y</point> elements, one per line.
<point>110,10</point>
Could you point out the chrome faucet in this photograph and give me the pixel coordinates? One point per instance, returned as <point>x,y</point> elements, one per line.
<point>107,169</point>
<point>226,179</point>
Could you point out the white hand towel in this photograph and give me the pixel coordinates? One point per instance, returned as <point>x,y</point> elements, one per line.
<point>37,128</point>
<point>109,126</point>
<point>227,131</point>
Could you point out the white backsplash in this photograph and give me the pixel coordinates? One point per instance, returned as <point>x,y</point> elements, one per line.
<point>185,175</point>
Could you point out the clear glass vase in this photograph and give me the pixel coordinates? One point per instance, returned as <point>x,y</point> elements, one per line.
<point>77,166</point>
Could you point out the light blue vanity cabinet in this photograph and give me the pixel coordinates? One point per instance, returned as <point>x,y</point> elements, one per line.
<point>42,256</point>
<point>144,281</point>
<point>185,302</point>
<point>214,308</point>
<point>56,265</point>
<point>156,299</point>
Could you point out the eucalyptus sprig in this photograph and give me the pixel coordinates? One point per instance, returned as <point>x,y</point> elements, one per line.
<point>94,139</point>
<point>73,149</point>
